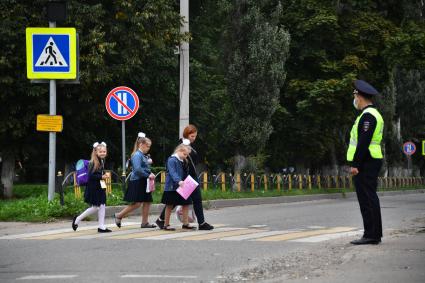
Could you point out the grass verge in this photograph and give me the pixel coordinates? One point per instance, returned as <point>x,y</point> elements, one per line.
<point>30,201</point>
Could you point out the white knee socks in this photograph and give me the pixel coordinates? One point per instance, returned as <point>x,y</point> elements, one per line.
<point>101,216</point>
<point>91,210</point>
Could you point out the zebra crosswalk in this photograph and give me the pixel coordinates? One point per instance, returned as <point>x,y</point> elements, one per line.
<point>132,230</point>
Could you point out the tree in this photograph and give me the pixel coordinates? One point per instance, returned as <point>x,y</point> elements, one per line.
<point>256,51</point>
<point>120,43</point>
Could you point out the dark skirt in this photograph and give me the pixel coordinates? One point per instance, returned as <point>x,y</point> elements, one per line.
<point>173,198</point>
<point>94,195</point>
<point>136,192</point>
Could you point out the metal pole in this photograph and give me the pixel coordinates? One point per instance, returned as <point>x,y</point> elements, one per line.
<point>184,68</point>
<point>123,145</point>
<point>123,156</point>
<point>52,136</point>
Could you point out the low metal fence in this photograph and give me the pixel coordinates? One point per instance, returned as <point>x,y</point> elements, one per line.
<point>249,182</point>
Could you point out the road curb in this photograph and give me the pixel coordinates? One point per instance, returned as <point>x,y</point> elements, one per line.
<point>222,203</point>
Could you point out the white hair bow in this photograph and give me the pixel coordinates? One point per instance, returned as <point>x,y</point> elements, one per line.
<point>141,135</point>
<point>96,144</point>
<point>186,142</point>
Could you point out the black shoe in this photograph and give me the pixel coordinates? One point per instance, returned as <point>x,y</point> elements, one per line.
<point>160,223</point>
<point>366,241</point>
<point>205,226</point>
<point>117,220</point>
<point>106,230</point>
<point>188,227</point>
<point>74,226</point>
<point>147,225</point>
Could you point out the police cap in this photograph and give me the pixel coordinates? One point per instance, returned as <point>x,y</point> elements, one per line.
<point>364,88</point>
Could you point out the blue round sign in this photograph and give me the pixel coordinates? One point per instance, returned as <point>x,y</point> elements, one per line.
<point>122,103</point>
<point>409,148</point>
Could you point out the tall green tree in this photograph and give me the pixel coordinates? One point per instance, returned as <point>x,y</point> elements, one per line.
<point>256,51</point>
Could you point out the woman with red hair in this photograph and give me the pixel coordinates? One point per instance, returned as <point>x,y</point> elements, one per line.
<point>190,133</point>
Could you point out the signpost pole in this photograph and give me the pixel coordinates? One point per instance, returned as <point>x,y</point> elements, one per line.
<point>123,155</point>
<point>184,69</point>
<point>52,136</point>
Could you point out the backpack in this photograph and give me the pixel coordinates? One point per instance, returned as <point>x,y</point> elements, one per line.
<point>82,171</point>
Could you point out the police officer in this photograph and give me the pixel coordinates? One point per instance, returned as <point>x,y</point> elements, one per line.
<point>365,155</point>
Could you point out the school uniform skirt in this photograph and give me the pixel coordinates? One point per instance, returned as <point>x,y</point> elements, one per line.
<point>136,191</point>
<point>94,195</point>
<point>174,198</point>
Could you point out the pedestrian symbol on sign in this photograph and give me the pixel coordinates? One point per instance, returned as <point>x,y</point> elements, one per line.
<point>51,55</point>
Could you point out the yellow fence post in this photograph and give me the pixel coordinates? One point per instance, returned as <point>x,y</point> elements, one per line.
<point>309,182</point>
<point>238,182</point>
<point>162,180</point>
<point>265,182</point>
<point>108,182</point>
<point>77,189</point>
<point>252,182</point>
<point>205,181</point>
<point>223,182</point>
<point>278,182</point>
<point>300,182</point>
<point>289,182</point>
<point>319,185</point>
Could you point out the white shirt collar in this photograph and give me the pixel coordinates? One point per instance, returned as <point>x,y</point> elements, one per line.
<point>176,156</point>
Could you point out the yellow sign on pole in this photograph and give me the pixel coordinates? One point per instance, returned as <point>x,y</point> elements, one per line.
<point>51,53</point>
<point>49,123</point>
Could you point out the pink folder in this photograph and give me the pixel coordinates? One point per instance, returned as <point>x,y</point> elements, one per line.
<point>189,185</point>
<point>150,186</point>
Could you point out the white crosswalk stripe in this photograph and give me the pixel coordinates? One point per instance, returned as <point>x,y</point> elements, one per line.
<point>132,230</point>
<point>327,237</point>
<point>257,235</point>
<point>186,234</point>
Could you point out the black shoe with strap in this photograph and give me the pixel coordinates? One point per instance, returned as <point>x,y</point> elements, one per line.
<point>205,226</point>
<point>106,230</point>
<point>147,225</point>
<point>366,241</point>
<point>74,226</point>
<point>188,227</point>
<point>117,220</point>
<point>160,223</point>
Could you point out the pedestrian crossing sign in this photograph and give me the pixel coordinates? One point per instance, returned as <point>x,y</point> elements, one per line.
<point>51,53</point>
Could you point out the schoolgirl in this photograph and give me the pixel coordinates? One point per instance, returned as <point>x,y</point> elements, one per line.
<point>176,172</point>
<point>190,133</point>
<point>94,193</point>
<point>138,192</point>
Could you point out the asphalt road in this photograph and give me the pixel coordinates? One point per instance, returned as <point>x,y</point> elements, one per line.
<point>290,242</point>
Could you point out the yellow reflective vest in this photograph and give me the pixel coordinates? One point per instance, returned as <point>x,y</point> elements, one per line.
<point>375,144</point>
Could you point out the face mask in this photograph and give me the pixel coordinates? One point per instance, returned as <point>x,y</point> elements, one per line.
<point>355,104</point>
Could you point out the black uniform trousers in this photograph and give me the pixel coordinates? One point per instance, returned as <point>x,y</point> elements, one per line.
<point>366,183</point>
<point>197,206</point>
